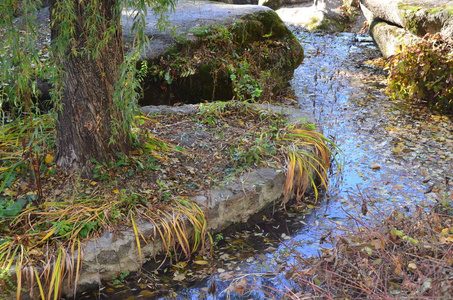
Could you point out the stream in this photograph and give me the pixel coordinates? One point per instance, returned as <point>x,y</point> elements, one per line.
<point>394,155</point>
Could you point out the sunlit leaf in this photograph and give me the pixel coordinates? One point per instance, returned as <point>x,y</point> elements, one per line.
<point>49,159</point>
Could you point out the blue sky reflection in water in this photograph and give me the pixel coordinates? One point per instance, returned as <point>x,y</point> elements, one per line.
<point>392,155</point>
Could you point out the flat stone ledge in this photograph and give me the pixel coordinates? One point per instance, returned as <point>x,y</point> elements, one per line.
<point>113,253</point>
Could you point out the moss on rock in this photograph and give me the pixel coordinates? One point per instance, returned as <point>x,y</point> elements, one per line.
<point>420,20</point>
<point>252,58</point>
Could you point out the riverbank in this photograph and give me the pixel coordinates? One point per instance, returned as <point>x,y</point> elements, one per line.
<point>396,154</point>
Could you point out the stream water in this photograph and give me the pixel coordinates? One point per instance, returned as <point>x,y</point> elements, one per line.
<point>394,155</point>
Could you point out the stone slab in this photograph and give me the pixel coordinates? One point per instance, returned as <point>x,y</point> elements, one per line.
<point>233,202</point>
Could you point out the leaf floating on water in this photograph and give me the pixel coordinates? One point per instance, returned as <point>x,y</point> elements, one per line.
<point>375,166</point>
<point>238,286</point>
<point>226,275</point>
<point>429,189</point>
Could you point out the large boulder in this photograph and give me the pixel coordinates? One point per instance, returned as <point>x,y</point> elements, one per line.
<point>331,15</point>
<point>398,22</point>
<point>218,51</point>
<point>211,50</point>
<point>390,38</point>
<point>274,4</point>
<point>417,16</point>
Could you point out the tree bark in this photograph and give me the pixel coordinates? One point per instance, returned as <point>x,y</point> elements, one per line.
<point>84,127</point>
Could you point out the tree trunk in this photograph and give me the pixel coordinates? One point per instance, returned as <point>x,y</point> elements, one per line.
<point>84,127</point>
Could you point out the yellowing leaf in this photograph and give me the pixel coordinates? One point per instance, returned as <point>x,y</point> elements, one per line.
<point>179,276</point>
<point>48,234</point>
<point>200,262</point>
<point>397,149</point>
<point>446,240</point>
<point>49,159</point>
<point>398,270</point>
<point>368,250</point>
<point>377,261</point>
<point>116,191</point>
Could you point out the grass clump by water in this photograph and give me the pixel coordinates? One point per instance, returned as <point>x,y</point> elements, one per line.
<point>47,215</point>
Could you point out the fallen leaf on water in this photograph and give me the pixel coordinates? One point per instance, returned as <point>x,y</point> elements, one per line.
<point>238,286</point>
<point>226,276</point>
<point>375,166</point>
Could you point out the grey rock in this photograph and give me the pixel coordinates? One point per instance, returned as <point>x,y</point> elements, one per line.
<point>390,38</point>
<point>187,15</point>
<point>209,76</point>
<point>239,1</point>
<point>320,14</point>
<point>395,22</point>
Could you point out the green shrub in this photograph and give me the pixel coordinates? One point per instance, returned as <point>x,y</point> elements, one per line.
<point>424,71</point>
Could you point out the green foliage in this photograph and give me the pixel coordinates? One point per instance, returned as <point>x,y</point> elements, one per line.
<point>247,60</point>
<point>5,278</point>
<point>45,236</point>
<point>11,208</point>
<point>349,10</point>
<point>24,146</point>
<point>245,85</point>
<point>120,278</point>
<point>424,71</point>
<point>19,59</point>
<point>123,166</point>
<point>22,63</point>
<point>307,151</point>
